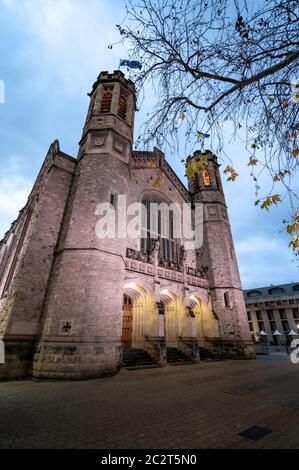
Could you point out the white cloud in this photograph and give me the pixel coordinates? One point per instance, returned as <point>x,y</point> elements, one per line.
<point>264,260</point>
<point>14,191</point>
<point>257,244</point>
<point>7,3</point>
<point>69,38</point>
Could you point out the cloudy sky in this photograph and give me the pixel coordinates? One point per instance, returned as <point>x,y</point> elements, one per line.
<point>51,51</point>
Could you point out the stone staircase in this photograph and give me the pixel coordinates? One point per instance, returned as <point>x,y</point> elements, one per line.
<point>204,354</point>
<point>175,356</point>
<point>136,358</point>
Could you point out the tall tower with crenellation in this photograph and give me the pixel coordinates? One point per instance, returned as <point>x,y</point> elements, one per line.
<point>217,257</point>
<point>81,331</point>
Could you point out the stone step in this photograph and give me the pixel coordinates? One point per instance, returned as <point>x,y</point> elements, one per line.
<point>136,357</point>
<point>175,356</point>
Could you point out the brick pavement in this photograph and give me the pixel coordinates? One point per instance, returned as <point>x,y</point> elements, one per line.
<point>192,406</point>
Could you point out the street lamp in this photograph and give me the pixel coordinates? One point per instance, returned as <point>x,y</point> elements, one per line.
<point>293,333</point>
<point>264,342</point>
<point>277,334</point>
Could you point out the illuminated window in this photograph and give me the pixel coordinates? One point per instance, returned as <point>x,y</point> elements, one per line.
<point>206,178</point>
<point>122,106</point>
<point>106,100</point>
<point>168,249</point>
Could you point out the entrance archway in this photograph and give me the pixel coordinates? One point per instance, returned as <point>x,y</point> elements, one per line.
<point>171,327</point>
<point>127,324</point>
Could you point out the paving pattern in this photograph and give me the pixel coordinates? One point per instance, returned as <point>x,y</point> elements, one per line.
<point>198,406</point>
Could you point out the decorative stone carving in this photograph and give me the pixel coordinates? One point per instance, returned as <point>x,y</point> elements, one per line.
<point>118,146</point>
<point>155,252</point>
<point>99,141</point>
<point>66,327</point>
<point>212,210</point>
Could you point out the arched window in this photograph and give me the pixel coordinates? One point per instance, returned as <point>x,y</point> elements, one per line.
<point>159,225</point>
<point>122,104</point>
<point>206,178</point>
<point>195,182</point>
<point>106,99</point>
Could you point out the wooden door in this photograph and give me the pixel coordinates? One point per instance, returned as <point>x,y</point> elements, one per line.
<point>127,323</point>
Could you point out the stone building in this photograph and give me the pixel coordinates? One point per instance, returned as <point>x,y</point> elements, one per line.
<point>273,308</point>
<point>75,305</point>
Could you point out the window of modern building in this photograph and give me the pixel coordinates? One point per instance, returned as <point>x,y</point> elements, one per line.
<point>273,325</point>
<point>249,316</point>
<point>291,301</point>
<point>285,326</point>
<point>296,287</point>
<point>270,314</point>
<point>253,293</point>
<point>278,302</point>
<point>259,315</point>
<point>251,327</point>
<point>296,313</point>
<point>261,325</point>
<point>282,314</point>
<point>276,291</point>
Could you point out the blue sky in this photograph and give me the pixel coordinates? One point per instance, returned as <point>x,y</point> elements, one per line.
<point>51,51</point>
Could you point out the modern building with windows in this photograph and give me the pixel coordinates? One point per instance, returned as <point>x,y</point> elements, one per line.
<point>273,308</point>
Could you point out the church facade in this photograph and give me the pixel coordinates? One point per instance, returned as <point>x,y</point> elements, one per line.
<point>77,305</point>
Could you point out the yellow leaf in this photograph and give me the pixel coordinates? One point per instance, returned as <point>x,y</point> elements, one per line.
<point>253,162</point>
<point>276,198</point>
<point>295,242</point>
<point>190,173</point>
<point>233,173</point>
<point>270,200</point>
<point>285,104</point>
<point>295,152</point>
<point>183,116</point>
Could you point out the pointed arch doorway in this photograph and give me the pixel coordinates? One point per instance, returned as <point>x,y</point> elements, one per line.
<point>127,324</point>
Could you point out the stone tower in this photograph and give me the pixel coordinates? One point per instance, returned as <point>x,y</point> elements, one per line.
<point>218,260</point>
<point>81,327</point>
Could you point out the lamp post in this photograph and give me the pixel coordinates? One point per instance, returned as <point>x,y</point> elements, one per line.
<point>264,342</point>
<point>291,334</point>
<point>277,334</point>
